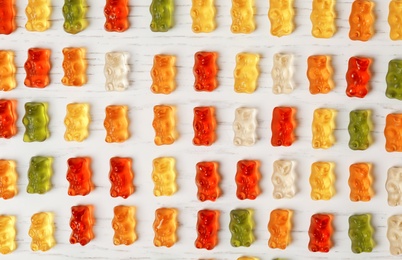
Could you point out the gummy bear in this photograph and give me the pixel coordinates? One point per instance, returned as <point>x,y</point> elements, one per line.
<point>319,74</point>
<point>247,179</point>
<point>322,180</point>
<point>246,72</point>
<point>282,126</point>
<point>320,233</point>
<point>279,226</point>
<point>163,74</point>
<point>77,122</point>
<point>164,124</point>
<point>323,128</point>
<point>121,177</point>
<point>204,125</point>
<point>281,15</point>
<point>393,133</point>
<point>393,186</point>
<point>8,179</point>
<point>74,66</point>
<point>361,233</point>
<point>164,176</point>
<point>42,231</point>
<point>165,225</point>
<point>242,16</point>
<point>8,118</point>
<point>205,71</point>
<point>8,13</point>
<point>358,77</point>
<point>124,224</point>
<point>207,229</point>
<point>241,227</point>
<point>81,223</point>
<point>360,181</point>
<point>162,15</point>
<point>207,180</point>
<point>7,67</point>
<point>203,16</point>
<point>38,13</point>
<point>74,12</point>
<point>116,13</point>
<point>323,18</point>
<point>245,126</point>
<point>37,68</point>
<point>394,18</point>
<point>361,20</point>
<point>36,122</point>
<point>394,79</point>
<point>116,124</point>
<point>79,176</point>
<point>7,234</point>
<point>116,71</point>
<point>39,174</point>
<point>284,179</point>
<point>282,73</point>
<point>394,232</point>
<point>359,129</point>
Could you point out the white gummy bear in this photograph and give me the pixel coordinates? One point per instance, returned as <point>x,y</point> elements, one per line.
<point>244,126</point>
<point>394,186</point>
<point>394,234</point>
<point>116,71</point>
<point>283,178</point>
<point>282,74</point>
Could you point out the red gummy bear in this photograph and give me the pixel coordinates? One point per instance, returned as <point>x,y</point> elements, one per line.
<point>7,14</point>
<point>282,126</point>
<point>205,71</point>
<point>81,223</point>
<point>37,68</point>
<point>320,233</point>
<point>121,177</point>
<point>358,77</point>
<point>204,126</point>
<point>116,13</point>
<point>207,180</point>
<point>247,179</point>
<point>207,229</point>
<point>8,118</point>
<point>79,176</point>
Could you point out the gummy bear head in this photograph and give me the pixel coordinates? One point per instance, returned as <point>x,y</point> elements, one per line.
<point>361,63</point>
<point>247,167</point>
<point>280,217</point>
<point>321,220</point>
<point>207,217</point>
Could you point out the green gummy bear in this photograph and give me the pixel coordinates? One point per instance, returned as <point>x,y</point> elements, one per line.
<point>162,15</point>
<point>241,227</point>
<point>39,174</point>
<point>35,121</point>
<point>359,129</point>
<point>394,79</point>
<point>74,12</point>
<point>361,233</point>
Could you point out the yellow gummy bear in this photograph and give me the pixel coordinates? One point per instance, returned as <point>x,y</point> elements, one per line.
<point>281,15</point>
<point>77,121</point>
<point>323,128</point>
<point>7,68</point>
<point>322,180</point>
<point>242,16</point>
<point>323,18</point>
<point>38,15</point>
<point>41,231</point>
<point>246,72</point>
<point>164,176</point>
<point>203,15</point>
<point>7,234</point>
<point>394,19</point>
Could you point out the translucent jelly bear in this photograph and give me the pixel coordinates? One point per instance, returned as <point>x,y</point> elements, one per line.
<point>8,179</point>
<point>8,68</point>
<point>164,124</point>
<point>8,13</point>
<point>284,179</point>
<point>282,126</point>
<point>37,68</point>
<point>282,73</point>
<point>246,72</point>
<point>74,12</point>
<point>281,15</point>
<point>207,179</point>
<point>247,179</point>
<point>7,234</point>
<point>393,133</point>
<point>207,229</point>
<point>245,126</point>
<point>165,226</point>
<point>42,231</point>
<point>361,20</point>
<point>393,186</point>
<point>359,128</point>
<point>205,71</point>
<point>116,71</point>
<point>394,78</point>
<point>394,18</point>
<point>74,66</point>
<point>164,176</point>
<point>358,77</point>
<point>81,223</point>
<point>162,15</point>
<point>38,14</point>
<point>320,233</point>
<point>319,74</point>
<point>323,128</point>
<point>242,13</point>
<point>79,176</point>
<point>121,177</point>
<point>279,226</point>
<point>394,232</point>
<point>124,224</point>
<point>77,122</point>
<point>323,18</point>
<point>163,74</point>
<point>36,122</point>
<point>361,233</point>
<point>116,124</point>
<point>116,13</point>
<point>241,227</point>
<point>360,182</point>
<point>204,125</point>
<point>39,174</point>
<point>203,16</point>
<point>8,118</point>
<point>322,180</point>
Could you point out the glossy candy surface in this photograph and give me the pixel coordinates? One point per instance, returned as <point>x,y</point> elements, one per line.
<point>7,68</point>
<point>77,122</point>
<point>393,133</point>
<point>162,15</point>
<point>359,128</point>
<point>74,66</point>
<point>79,176</point>
<point>246,72</point>
<point>116,124</point>
<point>38,14</point>
<point>8,13</point>
<point>247,179</point>
<point>320,233</point>
<point>123,224</point>
<point>207,180</point>
<point>281,15</point>
<point>245,126</point>
<point>39,174</point>
<point>164,124</point>
<point>164,176</point>
<point>323,128</point>
<point>322,180</point>
<point>279,226</point>
<point>203,15</point>
<point>8,179</point>
<point>284,179</point>
<point>361,20</point>
<point>394,232</point>
<point>282,126</point>
<point>7,234</point>
<point>393,186</point>
<point>323,18</point>
<point>116,71</point>
<point>207,229</point>
<point>36,122</point>
<point>163,74</point>
<point>205,71</point>
<point>358,77</point>
<point>165,225</point>
<point>42,231</point>
<point>116,13</point>
<point>361,233</point>
<point>8,118</point>
<point>282,73</point>
<point>394,78</point>
<point>121,177</point>
<point>242,13</point>
<point>81,223</point>
<point>360,182</point>
<point>319,74</point>
<point>241,227</point>
<point>394,18</point>
<point>74,12</point>
<point>37,68</point>
<point>204,125</point>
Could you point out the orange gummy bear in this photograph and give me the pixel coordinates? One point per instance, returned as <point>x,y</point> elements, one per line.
<point>207,229</point>
<point>279,227</point>
<point>37,68</point>
<point>7,14</point>
<point>7,68</point>
<point>8,118</point>
<point>207,180</point>
<point>116,124</point>
<point>121,177</point>
<point>74,66</point>
<point>81,223</point>
<point>360,181</point>
<point>165,226</point>
<point>393,133</point>
<point>361,20</point>
<point>8,179</point>
<point>319,74</point>
<point>79,176</point>
<point>116,13</point>
<point>164,124</point>
<point>204,124</point>
<point>123,224</point>
<point>163,74</point>
<point>247,179</point>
